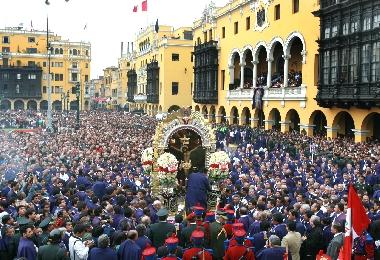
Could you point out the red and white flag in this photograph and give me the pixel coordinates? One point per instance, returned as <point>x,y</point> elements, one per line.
<point>356,222</point>
<point>144,6</point>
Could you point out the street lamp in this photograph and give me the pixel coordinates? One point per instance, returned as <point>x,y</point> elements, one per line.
<point>64,97</point>
<point>63,101</point>
<point>67,100</point>
<point>77,92</point>
<point>49,50</point>
<point>1,99</point>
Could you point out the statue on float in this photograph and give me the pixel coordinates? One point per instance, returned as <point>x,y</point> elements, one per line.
<point>184,146</point>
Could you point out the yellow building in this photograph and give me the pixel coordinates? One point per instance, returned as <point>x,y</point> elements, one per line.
<point>112,86</point>
<point>267,53</point>
<point>24,70</point>
<point>160,69</point>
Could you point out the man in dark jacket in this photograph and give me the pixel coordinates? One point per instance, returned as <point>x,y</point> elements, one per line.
<point>161,230</point>
<point>53,250</point>
<point>337,242</point>
<point>218,235</point>
<point>313,242</point>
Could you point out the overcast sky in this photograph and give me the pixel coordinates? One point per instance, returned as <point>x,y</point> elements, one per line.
<point>109,22</point>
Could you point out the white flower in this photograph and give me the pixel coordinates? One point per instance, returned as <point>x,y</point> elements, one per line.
<point>147,155</point>
<point>168,161</point>
<point>220,157</point>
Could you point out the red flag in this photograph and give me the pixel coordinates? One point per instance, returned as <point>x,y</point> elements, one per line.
<point>135,9</point>
<point>356,222</point>
<point>144,6</point>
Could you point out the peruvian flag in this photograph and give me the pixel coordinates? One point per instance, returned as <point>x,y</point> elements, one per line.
<point>144,6</point>
<point>356,222</point>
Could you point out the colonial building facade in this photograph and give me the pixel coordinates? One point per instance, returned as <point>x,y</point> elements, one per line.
<point>159,75</point>
<point>258,63</point>
<point>24,70</point>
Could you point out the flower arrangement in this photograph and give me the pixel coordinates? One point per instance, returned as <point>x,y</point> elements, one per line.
<point>218,166</point>
<point>167,169</point>
<point>147,159</point>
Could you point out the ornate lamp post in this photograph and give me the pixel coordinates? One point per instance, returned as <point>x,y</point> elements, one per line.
<point>77,92</point>
<point>67,101</point>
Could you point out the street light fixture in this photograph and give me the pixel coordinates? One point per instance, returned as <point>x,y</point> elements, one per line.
<point>67,101</point>
<point>77,92</point>
<point>49,50</point>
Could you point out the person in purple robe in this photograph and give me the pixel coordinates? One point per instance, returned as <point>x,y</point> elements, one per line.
<point>274,250</point>
<point>26,247</point>
<point>103,251</point>
<point>129,249</point>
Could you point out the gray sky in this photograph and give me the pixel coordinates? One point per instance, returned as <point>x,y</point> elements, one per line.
<point>108,21</point>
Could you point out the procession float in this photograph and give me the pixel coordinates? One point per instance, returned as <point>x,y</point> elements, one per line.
<point>183,142</point>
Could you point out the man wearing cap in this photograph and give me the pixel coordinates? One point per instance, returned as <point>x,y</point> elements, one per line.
<point>187,231</point>
<point>149,253</point>
<point>53,251</point>
<point>171,250</point>
<point>159,231</point>
<point>47,226</point>
<point>197,251</point>
<point>218,235</point>
<point>239,251</point>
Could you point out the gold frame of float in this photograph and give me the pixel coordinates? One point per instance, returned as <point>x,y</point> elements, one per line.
<point>182,119</point>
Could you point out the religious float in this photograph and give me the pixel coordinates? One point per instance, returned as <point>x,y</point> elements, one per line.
<point>184,141</point>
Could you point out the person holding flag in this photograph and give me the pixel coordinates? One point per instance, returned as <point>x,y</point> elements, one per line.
<point>357,223</point>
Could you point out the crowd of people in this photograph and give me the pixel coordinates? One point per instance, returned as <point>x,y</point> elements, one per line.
<point>83,194</point>
<point>21,119</point>
<point>294,80</point>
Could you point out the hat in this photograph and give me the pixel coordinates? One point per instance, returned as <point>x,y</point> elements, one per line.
<point>149,253</point>
<point>191,216</point>
<point>171,242</point>
<point>198,210</point>
<point>197,237</point>
<point>173,239</point>
<point>162,212</point>
<point>210,216</point>
<point>44,223</point>
<point>237,226</point>
<point>230,213</point>
<point>240,233</point>
<point>55,235</point>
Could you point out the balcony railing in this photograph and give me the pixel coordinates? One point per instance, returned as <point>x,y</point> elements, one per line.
<point>140,98</point>
<point>240,94</point>
<point>296,93</point>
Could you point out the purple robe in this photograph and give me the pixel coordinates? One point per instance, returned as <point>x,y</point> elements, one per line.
<point>129,250</point>
<point>27,249</point>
